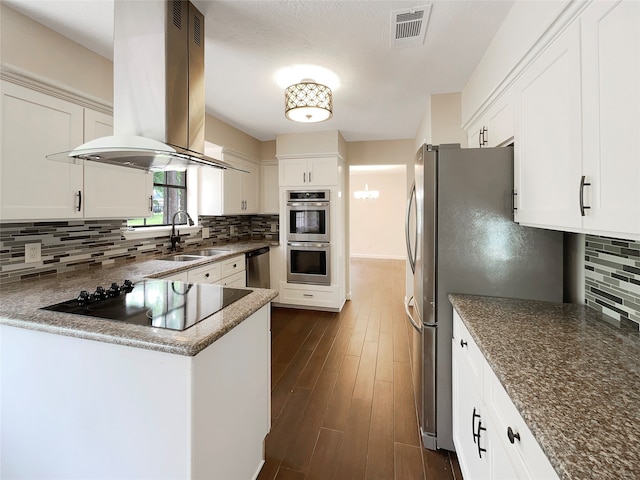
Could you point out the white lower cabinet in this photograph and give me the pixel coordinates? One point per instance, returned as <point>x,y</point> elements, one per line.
<point>230,272</point>
<point>134,413</point>
<point>491,439</point>
<point>312,296</point>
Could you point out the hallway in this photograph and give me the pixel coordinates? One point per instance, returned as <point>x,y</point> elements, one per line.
<point>342,403</point>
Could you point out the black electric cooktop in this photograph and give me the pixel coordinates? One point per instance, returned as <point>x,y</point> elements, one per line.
<point>155,303</point>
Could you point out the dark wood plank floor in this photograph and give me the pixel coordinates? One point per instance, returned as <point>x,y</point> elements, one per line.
<point>342,403</point>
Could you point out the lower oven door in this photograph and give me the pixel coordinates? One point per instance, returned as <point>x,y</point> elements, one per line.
<point>309,262</point>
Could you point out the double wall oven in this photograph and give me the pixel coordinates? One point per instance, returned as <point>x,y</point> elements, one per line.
<point>308,237</point>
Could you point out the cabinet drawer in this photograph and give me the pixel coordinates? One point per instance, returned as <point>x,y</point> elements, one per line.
<point>470,352</point>
<point>307,296</point>
<point>238,279</point>
<point>207,274</point>
<point>178,277</point>
<point>525,453</point>
<point>232,265</point>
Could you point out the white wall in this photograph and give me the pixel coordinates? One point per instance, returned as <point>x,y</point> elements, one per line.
<point>377,226</point>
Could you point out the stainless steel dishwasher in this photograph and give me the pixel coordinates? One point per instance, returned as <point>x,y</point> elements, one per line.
<point>258,272</point>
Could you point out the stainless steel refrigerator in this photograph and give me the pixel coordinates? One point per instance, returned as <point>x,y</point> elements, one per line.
<point>465,241</point>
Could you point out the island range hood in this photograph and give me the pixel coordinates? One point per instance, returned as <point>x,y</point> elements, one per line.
<point>158,104</point>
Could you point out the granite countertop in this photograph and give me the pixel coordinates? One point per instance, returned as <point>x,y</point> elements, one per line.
<point>574,378</point>
<point>21,303</point>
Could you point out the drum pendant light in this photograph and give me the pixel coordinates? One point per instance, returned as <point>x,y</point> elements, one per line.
<point>308,102</point>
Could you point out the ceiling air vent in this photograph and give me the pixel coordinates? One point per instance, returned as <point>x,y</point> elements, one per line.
<point>409,26</point>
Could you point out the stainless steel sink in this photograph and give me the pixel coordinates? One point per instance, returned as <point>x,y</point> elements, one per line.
<point>209,252</point>
<point>183,258</point>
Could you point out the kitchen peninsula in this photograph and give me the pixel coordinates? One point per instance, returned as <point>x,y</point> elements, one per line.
<point>84,397</point>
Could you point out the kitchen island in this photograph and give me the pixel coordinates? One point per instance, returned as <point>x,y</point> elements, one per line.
<point>573,377</point>
<point>92,398</point>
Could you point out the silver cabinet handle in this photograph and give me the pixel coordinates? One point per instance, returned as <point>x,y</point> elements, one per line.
<point>581,199</point>
<point>309,177</point>
<point>304,177</point>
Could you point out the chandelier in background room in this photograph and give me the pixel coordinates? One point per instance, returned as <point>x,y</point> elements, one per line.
<point>366,194</point>
<point>308,102</point>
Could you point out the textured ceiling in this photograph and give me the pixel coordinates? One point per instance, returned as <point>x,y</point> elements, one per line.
<point>380,91</point>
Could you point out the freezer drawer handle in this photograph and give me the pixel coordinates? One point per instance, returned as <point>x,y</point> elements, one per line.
<point>582,185</point>
<point>463,343</point>
<point>512,436</point>
<point>414,324</point>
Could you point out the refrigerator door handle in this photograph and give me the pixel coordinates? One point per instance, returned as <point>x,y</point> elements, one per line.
<point>410,253</point>
<point>414,324</point>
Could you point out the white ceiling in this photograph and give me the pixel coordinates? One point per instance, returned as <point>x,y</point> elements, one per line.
<point>379,91</point>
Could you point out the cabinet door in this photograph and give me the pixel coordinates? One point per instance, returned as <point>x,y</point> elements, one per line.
<point>473,136</point>
<point>548,136</point>
<point>111,191</point>
<point>210,191</point>
<point>251,188</point>
<point>34,125</point>
<point>500,122</point>
<point>611,115</point>
<point>470,429</point>
<point>293,172</point>
<point>232,202</point>
<point>323,171</point>
<point>269,200</point>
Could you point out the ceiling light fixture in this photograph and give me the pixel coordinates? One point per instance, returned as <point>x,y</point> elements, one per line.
<point>308,102</point>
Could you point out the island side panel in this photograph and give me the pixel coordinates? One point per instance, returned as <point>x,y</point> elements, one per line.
<point>76,408</point>
<point>231,401</point>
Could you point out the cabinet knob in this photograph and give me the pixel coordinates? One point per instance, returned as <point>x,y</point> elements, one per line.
<point>512,436</point>
<point>463,343</point>
<point>206,275</point>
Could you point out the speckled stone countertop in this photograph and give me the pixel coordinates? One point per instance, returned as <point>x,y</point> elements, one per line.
<point>574,378</point>
<point>21,302</point>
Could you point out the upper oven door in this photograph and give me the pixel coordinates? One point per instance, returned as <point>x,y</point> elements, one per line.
<point>308,221</point>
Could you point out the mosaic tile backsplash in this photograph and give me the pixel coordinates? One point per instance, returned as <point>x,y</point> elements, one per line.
<point>76,245</point>
<point>612,277</point>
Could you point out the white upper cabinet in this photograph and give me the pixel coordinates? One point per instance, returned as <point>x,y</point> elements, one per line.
<point>577,135</point>
<point>269,200</point>
<point>308,172</point>
<point>112,191</point>
<point>611,115</point>
<point>35,125</point>
<point>495,128</point>
<point>547,136</point>
<point>232,191</point>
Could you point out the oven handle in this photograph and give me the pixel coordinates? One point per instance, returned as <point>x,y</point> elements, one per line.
<point>308,244</point>
<point>307,204</point>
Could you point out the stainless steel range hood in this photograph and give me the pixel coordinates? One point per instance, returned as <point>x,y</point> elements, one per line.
<point>158,104</point>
